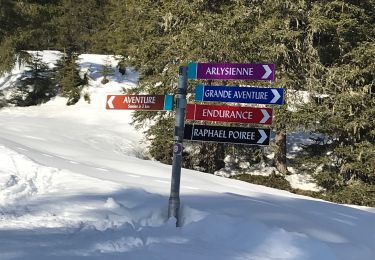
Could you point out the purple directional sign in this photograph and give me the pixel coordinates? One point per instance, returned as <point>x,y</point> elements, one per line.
<point>231,71</point>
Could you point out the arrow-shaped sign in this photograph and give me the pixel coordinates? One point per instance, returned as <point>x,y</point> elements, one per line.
<point>266,116</point>
<point>268,71</point>
<point>140,102</point>
<point>110,102</point>
<point>255,95</point>
<point>231,71</point>
<point>263,137</point>
<point>222,134</point>
<point>233,114</point>
<point>276,96</point>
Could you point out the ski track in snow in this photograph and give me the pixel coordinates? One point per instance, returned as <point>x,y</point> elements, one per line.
<point>72,188</point>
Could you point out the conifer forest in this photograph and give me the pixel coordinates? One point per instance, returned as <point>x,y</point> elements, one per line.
<point>324,56</point>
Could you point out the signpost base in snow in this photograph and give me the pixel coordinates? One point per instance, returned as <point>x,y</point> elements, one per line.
<point>174,199</point>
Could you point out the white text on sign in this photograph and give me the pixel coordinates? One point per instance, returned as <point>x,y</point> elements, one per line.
<point>243,135</point>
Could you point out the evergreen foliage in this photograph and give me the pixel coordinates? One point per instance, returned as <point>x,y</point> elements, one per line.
<point>322,49</point>
<point>35,86</point>
<point>160,147</point>
<point>173,35</point>
<point>78,23</point>
<point>8,55</point>
<point>106,71</point>
<point>9,24</point>
<point>273,180</point>
<point>68,78</point>
<point>343,36</point>
<point>358,192</point>
<point>3,101</point>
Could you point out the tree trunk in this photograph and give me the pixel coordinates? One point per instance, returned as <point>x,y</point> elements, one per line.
<point>280,152</point>
<point>212,157</point>
<point>218,158</point>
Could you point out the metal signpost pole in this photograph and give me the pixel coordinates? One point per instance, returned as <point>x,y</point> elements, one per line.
<point>174,199</point>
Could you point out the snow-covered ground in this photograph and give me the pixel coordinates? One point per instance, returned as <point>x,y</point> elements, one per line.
<point>73,186</point>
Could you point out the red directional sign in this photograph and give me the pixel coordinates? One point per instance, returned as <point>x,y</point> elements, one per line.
<point>231,114</point>
<point>140,102</point>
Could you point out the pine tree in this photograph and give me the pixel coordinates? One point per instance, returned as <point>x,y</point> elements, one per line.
<point>25,25</point>
<point>69,79</point>
<point>10,21</point>
<point>166,31</point>
<point>8,55</point>
<point>161,145</point>
<point>3,101</point>
<point>78,22</point>
<point>344,40</point>
<point>223,31</point>
<point>35,86</point>
<point>281,37</point>
<point>106,71</point>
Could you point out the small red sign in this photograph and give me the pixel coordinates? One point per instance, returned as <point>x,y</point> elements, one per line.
<point>233,114</point>
<point>138,102</point>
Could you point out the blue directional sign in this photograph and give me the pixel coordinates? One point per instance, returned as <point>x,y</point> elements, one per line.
<point>255,95</point>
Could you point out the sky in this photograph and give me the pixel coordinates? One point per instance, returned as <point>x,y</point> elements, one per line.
<point>75,184</point>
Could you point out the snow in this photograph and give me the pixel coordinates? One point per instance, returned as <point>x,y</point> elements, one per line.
<point>73,185</point>
<point>302,181</point>
<point>297,179</point>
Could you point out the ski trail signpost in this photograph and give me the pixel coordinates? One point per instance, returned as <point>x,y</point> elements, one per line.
<point>254,95</point>
<point>231,71</point>
<point>220,113</point>
<point>140,102</point>
<point>215,113</point>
